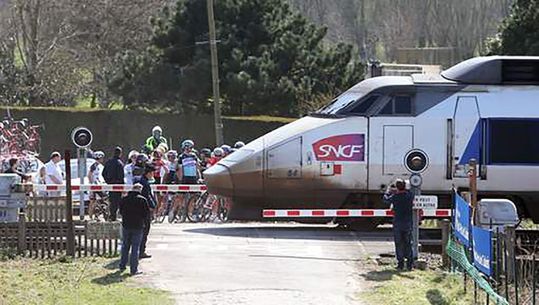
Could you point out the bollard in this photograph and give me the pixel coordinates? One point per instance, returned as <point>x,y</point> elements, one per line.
<point>446,227</point>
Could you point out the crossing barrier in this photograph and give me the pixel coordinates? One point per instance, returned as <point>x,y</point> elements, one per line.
<point>304,213</point>
<point>119,187</point>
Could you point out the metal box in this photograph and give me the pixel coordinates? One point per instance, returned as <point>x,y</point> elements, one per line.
<point>498,212</point>
<point>10,200</point>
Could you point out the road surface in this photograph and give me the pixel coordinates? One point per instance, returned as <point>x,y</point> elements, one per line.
<point>259,263</point>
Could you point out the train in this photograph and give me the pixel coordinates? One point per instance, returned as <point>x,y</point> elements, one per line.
<point>346,154</point>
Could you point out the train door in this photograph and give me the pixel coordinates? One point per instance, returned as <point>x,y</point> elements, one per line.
<point>467,136</point>
<point>398,140</point>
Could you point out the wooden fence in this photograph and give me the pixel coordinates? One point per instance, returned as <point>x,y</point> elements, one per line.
<point>42,231</point>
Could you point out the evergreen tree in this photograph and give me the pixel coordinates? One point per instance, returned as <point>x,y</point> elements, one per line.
<point>271,59</point>
<point>519,32</point>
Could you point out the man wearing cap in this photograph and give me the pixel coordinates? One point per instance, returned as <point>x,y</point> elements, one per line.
<point>113,173</point>
<point>402,202</point>
<point>53,172</point>
<point>155,140</point>
<point>146,192</point>
<point>134,211</point>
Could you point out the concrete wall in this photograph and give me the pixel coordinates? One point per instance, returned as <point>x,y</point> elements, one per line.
<point>129,129</point>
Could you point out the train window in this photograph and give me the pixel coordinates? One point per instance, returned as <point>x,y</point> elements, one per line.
<point>403,105</point>
<point>364,105</point>
<point>511,141</point>
<point>398,105</point>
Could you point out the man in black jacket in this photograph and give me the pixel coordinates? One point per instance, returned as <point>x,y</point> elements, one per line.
<point>113,173</point>
<point>134,211</point>
<point>146,193</point>
<point>402,202</point>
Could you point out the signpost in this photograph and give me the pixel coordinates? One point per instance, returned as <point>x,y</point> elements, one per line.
<point>82,138</point>
<point>416,161</point>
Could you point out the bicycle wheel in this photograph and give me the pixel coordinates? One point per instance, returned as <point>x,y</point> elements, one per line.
<point>195,208</point>
<point>172,214</point>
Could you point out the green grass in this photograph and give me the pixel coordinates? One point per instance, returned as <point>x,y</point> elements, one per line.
<point>85,281</point>
<point>431,287</point>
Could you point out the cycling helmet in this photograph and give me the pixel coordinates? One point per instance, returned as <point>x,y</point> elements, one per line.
<point>188,144</point>
<point>157,128</point>
<point>239,145</point>
<point>218,152</point>
<point>163,147</point>
<point>132,154</point>
<point>226,148</point>
<point>99,154</point>
<point>205,152</point>
<point>142,159</point>
<point>172,153</point>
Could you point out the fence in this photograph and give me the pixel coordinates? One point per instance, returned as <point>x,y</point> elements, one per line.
<point>43,231</point>
<point>511,276</point>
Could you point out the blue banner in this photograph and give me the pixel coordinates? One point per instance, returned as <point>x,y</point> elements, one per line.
<point>482,249</point>
<point>462,220</point>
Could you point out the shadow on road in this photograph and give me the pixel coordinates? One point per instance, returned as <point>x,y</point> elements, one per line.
<point>308,257</point>
<point>295,232</point>
<point>111,278</point>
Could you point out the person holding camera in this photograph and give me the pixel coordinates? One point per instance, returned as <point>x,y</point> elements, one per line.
<point>402,202</point>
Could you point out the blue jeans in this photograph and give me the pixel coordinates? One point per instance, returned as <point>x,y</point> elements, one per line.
<point>131,239</point>
<point>403,246</point>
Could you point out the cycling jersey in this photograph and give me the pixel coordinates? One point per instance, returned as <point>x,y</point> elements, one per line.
<point>189,164</point>
<point>159,172</point>
<point>213,161</point>
<point>96,171</point>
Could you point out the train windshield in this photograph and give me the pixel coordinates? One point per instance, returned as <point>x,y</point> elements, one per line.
<point>341,102</point>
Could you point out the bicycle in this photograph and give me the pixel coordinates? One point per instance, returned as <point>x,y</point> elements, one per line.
<point>178,210</point>
<point>195,206</point>
<point>101,207</point>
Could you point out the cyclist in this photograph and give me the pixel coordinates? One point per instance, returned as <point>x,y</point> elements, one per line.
<point>172,165</point>
<point>161,169</point>
<point>130,166</point>
<point>189,164</point>
<point>226,149</point>
<point>140,164</point>
<point>155,140</point>
<point>95,176</point>
<point>238,145</point>
<point>217,155</point>
<point>205,156</point>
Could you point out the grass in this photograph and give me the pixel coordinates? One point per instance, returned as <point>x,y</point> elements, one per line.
<point>430,287</point>
<point>88,281</point>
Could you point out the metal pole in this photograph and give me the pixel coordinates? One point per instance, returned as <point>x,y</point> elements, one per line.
<point>534,285</point>
<point>515,269</point>
<point>506,267</point>
<point>81,159</point>
<point>415,228</point>
<point>69,207</point>
<point>215,76</point>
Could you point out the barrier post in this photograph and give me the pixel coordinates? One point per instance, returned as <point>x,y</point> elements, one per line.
<point>69,206</point>
<point>445,239</point>
<point>22,234</point>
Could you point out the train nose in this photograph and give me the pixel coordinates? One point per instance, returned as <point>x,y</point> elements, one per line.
<point>218,180</point>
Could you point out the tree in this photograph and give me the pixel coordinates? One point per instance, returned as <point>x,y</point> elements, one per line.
<point>272,60</point>
<point>519,32</point>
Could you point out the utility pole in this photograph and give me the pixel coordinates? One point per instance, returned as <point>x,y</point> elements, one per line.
<point>215,76</point>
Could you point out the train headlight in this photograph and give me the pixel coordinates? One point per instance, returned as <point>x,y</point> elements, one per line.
<point>416,161</point>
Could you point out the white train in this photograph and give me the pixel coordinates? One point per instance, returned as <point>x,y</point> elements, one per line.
<point>343,155</point>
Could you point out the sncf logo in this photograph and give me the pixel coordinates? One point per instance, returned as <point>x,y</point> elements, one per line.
<point>350,147</point>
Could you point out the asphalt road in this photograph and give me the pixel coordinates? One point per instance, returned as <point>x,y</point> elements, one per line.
<point>259,263</point>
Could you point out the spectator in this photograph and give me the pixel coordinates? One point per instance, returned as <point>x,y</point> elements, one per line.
<point>402,202</point>
<point>13,169</point>
<point>152,203</point>
<point>129,167</point>
<point>113,172</point>
<point>54,174</point>
<point>134,211</point>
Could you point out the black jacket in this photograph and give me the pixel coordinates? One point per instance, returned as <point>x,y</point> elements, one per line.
<point>113,172</point>
<point>134,209</point>
<point>146,191</point>
<point>403,203</point>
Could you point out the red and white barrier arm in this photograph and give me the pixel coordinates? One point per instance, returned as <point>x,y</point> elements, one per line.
<point>347,213</point>
<point>120,187</point>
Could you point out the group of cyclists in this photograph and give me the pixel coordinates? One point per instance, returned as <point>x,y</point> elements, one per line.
<point>173,167</point>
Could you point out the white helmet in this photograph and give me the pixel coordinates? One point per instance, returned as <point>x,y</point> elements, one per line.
<point>99,154</point>
<point>157,128</point>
